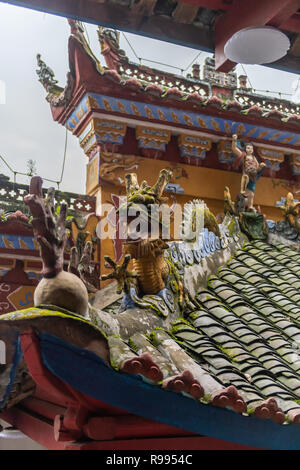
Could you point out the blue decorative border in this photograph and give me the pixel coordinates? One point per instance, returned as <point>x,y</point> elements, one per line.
<point>171,115</point>
<point>87,373</point>
<point>18,355</point>
<point>17,242</point>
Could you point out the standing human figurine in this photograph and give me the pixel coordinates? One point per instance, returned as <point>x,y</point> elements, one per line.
<point>252,171</point>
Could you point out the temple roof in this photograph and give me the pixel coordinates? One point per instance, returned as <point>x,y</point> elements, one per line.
<point>207,91</point>
<point>246,330</point>
<point>12,195</point>
<point>240,346</point>
<point>206,333</point>
<point>130,109</point>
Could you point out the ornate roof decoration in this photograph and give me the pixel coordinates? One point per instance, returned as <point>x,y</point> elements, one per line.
<point>134,84</point>
<point>214,101</point>
<point>294,118</point>
<point>110,47</point>
<point>12,195</point>
<point>195,98</point>
<point>77,31</point>
<point>141,79</point>
<point>57,96</point>
<point>65,96</point>
<point>253,110</point>
<point>154,89</point>
<point>18,216</point>
<point>173,93</point>
<point>46,77</point>
<point>274,114</point>
<point>218,78</point>
<point>233,347</point>
<point>234,105</point>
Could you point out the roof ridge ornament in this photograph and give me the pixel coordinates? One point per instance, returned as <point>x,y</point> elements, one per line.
<point>47,76</point>
<point>109,40</point>
<point>77,31</point>
<point>57,96</point>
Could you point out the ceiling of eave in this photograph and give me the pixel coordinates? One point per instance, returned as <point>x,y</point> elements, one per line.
<point>192,23</point>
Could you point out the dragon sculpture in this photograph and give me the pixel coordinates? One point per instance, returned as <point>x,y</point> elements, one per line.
<point>112,163</point>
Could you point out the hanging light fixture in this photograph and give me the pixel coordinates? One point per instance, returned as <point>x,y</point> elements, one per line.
<point>257,45</point>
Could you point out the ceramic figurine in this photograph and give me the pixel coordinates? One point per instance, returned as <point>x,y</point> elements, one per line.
<point>252,171</point>
<point>291,210</point>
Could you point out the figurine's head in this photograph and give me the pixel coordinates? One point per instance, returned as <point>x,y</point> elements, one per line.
<point>249,148</point>
<point>289,198</point>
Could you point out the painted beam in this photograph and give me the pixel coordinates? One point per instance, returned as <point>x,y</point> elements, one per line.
<point>164,444</point>
<point>32,425</point>
<point>40,430</point>
<point>287,11</point>
<point>292,24</point>
<point>121,17</point>
<point>236,16</point>
<point>68,362</point>
<point>210,4</point>
<point>245,14</point>
<point>289,63</point>
<point>62,5</point>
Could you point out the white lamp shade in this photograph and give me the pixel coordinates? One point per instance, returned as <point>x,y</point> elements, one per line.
<point>257,45</point>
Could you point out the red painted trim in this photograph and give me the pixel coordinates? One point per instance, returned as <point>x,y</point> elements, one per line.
<point>99,407</point>
<point>40,429</point>
<point>52,388</point>
<point>210,4</point>
<point>43,408</point>
<point>292,24</point>
<point>14,227</point>
<point>7,261</point>
<point>43,395</point>
<point>287,11</point>
<point>33,253</point>
<point>128,427</point>
<point>14,251</point>
<point>34,264</point>
<point>175,443</point>
<point>59,427</point>
<point>41,375</point>
<point>67,426</point>
<point>37,428</point>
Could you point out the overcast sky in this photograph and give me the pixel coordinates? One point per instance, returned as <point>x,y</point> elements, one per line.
<point>27,130</point>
